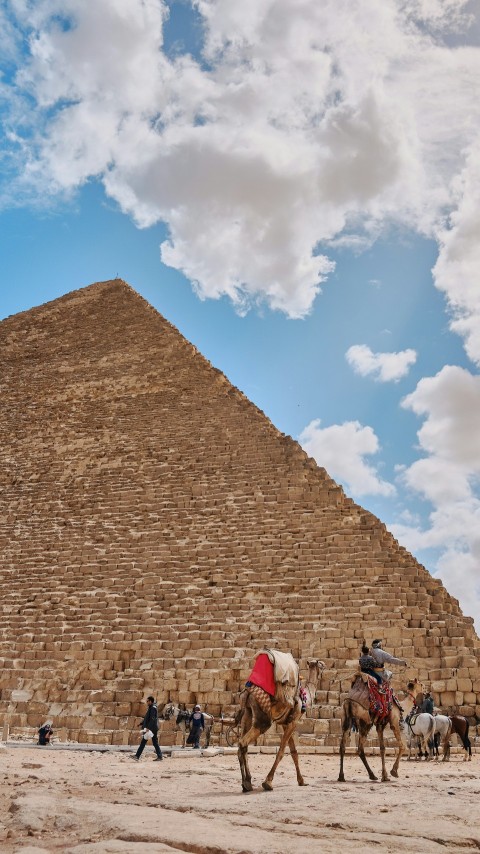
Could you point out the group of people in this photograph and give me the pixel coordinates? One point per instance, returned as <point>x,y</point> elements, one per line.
<point>149,726</point>
<point>372,661</point>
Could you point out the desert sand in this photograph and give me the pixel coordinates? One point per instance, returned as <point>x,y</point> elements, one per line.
<point>103,803</point>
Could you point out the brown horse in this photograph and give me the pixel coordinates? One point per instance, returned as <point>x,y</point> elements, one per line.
<point>460,727</point>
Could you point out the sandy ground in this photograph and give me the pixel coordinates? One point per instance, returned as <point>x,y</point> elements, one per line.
<point>97,803</point>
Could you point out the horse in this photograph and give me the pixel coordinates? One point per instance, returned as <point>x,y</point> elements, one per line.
<point>417,725</point>
<point>182,718</point>
<point>443,730</point>
<point>458,726</point>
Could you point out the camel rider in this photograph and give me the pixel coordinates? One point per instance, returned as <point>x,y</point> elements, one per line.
<point>381,657</point>
<point>367,663</point>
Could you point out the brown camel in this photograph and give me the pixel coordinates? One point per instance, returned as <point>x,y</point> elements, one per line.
<point>257,714</point>
<point>356,711</point>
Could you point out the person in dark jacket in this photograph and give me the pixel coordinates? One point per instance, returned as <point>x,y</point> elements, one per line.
<point>45,733</point>
<point>427,705</point>
<point>150,730</point>
<point>367,663</point>
<point>197,723</point>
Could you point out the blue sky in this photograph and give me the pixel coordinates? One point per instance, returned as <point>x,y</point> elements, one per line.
<point>297,190</point>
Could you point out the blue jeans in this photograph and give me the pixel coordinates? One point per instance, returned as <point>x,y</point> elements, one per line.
<point>372,673</point>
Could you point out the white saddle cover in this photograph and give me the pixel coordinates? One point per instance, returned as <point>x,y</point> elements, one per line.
<point>285,668</point>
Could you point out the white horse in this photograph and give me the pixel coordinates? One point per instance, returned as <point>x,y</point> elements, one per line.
<point>417,726</point>
<point>443,731</point>
<point>182,718</point>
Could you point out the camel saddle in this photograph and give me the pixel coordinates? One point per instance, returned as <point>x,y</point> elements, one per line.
<point>277,673</point>
<point>367,693</point>
<point>360,689</point>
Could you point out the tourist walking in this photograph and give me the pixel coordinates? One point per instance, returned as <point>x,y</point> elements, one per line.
<point>150,730</point>
<point>197,724</point>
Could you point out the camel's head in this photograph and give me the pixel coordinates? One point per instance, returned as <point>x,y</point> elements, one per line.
<point>315,669</point>
<point>414,692</point>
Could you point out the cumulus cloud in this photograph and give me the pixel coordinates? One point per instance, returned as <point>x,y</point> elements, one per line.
<point>384,367</point>
<point>342,449</point>
<point>448,476</point>
<point>457,271</point>
<point>287,134</point>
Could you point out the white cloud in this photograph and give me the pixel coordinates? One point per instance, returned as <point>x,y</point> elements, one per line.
<point>457,271</point>
<point>292,132</point>
<point>449,478</point>
<point>341,450</point>
<point>384,367</point>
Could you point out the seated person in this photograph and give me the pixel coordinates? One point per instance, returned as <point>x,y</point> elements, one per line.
<point>45,733</point>
<point>367,664</point>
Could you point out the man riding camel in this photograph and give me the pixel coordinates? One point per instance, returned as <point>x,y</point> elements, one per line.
<point>381,657</point>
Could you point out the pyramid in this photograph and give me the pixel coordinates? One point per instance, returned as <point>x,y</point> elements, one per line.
<point>157,530</point>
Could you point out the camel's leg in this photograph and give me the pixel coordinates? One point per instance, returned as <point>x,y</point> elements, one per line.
<point>395,726</point>
<point>247,720</point>
<point>346,727</point>
<point>253,733</point>
<point>381,741</point>
<point>288,729</point>
<point>294,755</point>
<point>361,750</point>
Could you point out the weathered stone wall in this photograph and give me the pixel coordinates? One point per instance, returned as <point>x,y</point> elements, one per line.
<point>156,530</point>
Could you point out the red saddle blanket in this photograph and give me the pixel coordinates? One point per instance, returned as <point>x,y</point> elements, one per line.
<point>381,699</point>
<point>262,674</point>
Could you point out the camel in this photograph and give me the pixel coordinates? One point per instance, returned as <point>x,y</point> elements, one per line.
<point>259,711</point>
<point>356,711</point>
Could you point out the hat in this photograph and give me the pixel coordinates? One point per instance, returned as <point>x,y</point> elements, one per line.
<point>197,707</point>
